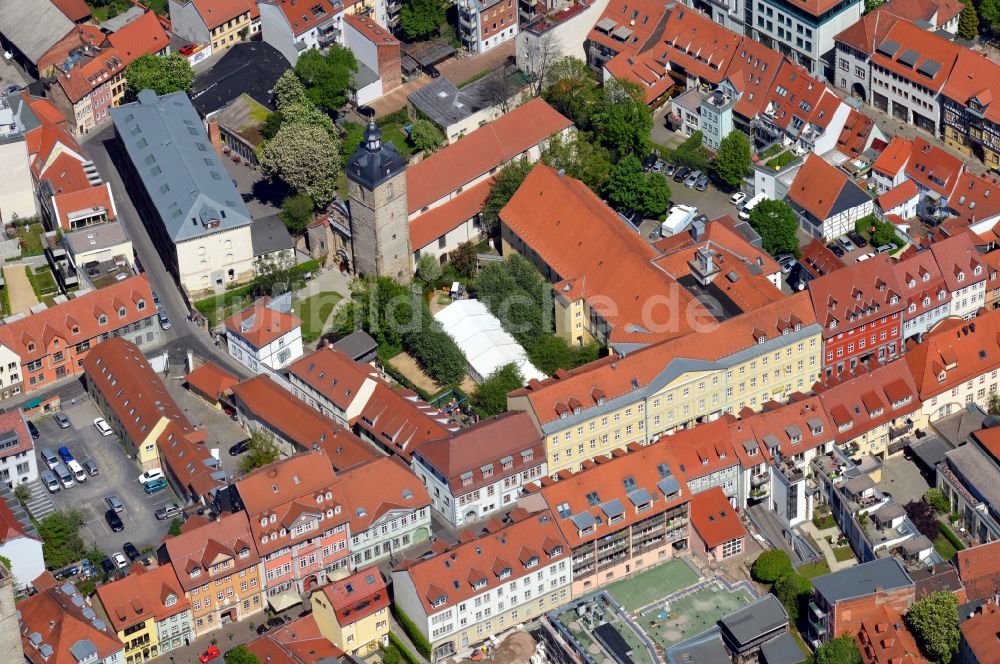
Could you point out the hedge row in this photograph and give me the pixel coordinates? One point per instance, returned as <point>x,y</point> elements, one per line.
<point>950,536</point>
<point>403,650</point>
<point>418,639</point>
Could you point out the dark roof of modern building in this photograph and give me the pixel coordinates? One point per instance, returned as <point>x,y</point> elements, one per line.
<point>706,648</point>
<point>269,234</point>
<point>782,650</point>
<point>931,450</point>
<point>356,345</point>
<point>374,161</point>
<point>250,67</point>
<point>167,144</point>
<point>755,620</point>
<point>445,104</point>
<point>863,579</point>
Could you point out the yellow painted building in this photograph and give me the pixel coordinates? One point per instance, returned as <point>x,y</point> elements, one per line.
<point>747,361</point>
<point>220,23</point>
<point>353,612</point>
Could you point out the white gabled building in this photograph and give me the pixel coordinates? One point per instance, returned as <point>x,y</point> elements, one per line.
<point>480,470</point>
<point>333,384</point>
<point>485,586</point>
<point>295,27</point>
<point>265,337</point>
<point>17,450</point>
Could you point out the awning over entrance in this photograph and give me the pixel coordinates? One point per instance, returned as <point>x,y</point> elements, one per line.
<point>284,600</point>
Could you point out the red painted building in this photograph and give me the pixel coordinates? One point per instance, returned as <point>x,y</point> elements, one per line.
<point>860,309</point>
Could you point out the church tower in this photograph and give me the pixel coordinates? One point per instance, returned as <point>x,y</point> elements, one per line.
<point>380,231</point>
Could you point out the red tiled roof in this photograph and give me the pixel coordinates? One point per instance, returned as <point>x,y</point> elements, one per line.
<point>10,527</point>
<point>694,43</point>
<point>397,488</point>
<point>894,157</point>
<point>60,622</point>
<point>429,226</point>
<point>481,152</point>
<point>868,32</point>
<point>819,260</point>
<point>932,167</point>
<point>714,518</point>
<point>979,569</point>
<point>517,549</point>
<point>884,639</point>
<point>817,186</point>
<point>260,325</point>
<point>186,457</point>
<point>854,135</point>
<point>371,30</point>
<point>75,10</point>
<point>957,255</point>
<point>298,642</point>
<point>905,191</point>
<point>357,596</point>
<point>142,594</point>
<point>228,535</point>
<point>980,633</point>
<point>13,421</point>
<point>920,280</point>
<point>300,19</point>
<point>956,350</point>
<point>334,375</point>
<point>635,21</point>
<point>935,12</point>
<point>211,380</point>
<point>855,294</point>
<point>216,12</point>
<point>855,401</point>
<point>928,47</point>
<point>975,198</point>
<point>142,36</point>
<point>37,331</point>
<point>84,199</point>
<point>400,420</point>
<point>776,425</point>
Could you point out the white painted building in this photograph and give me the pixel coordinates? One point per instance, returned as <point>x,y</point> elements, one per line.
<point>11,380</point>
<point>480,470</point>
<point>265,337</point>
<point>19,541</point>
<point>802,31</point>
<point>333,384</point>
<point>17,450</point>
<point>17,196</point>
<point>294,28</point>
<point>475,590</point>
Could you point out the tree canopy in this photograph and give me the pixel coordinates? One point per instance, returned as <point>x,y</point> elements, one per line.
<point>968,22</point>
<point>306,158</point>
<point>692,153</point>
<point>504,187</point>
<point>327,78</point>
<point>923,517</point>
<point>160,73</point>
<point>794,591</point>
<point>465,259</point>
<point>429,269</point>
<point>732,161</point>
<point>261,452</point>
<point>424,135</point>
<point>841,650</point>
<point>241,655</point>
<point>629,187</point>
<point>623,121</point>
<point>297,212</point>
<point>61,542</point>
<point>771,565</point>
<point>934,621</point>
<point>420,19</point>
<point>776,223</point>
<point>491,396</point>
<point>580,157</point>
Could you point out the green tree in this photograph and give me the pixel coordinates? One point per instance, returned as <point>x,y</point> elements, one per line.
<point>327,78</point>
<point>297,212</point>
<point>968,22</point>
<point>289,92</point>
<point>354,134</point>
<point>505,185</point>
<point>989,14</point>
<point>241,655</point>
<point>273,274</point>
<point>624,187</point>
<point>424,135</point>
<point>580,157</point>
<point>61,543</point>
<point>261,452</point>
<point>624,122</point>
<point>420,19</point>
<point>934,621</point>
<point>885,233</point>
<point>465,259</point>
<point>732,161</point>
<point>272,123</point>
<point>175,527</point>
<point>691,153</point>
<point>437,353</point>
<point>391,655</point>
<point>491,396</point>
<point>23,493</point>
<point>573,91</point>
<point>304,157</point>
<point>841,650</point>
<point>872,5</point>
<point>993,403</point>
<point>936,499</point>
<point>776,223</point>
<point>429,269</point>
<point>771,565</point>
<point>655,196</point>
<point>383,308</point>
<point>160,73</point>
<point>794,591</point>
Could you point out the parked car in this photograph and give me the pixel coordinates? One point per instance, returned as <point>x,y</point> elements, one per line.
<point>156,300</point>
<point>168,512</point>
<point>108,565</point>
<point>702,183</point>
<point>132,551</point>
<point>65,477</point>
<point>155,486</point>
<point>865,257</point>
<point>836,249</point>
<point>102,426</point>
<point>33,430</point>
<point>119,559</point>
<point>670,170</point>
<point>737,198</point>
<point>433,72</point>
<point>846,243</point>
<point>239,448</point>
<point>61,420</point>
<point>49,457</point>
<point>884,248</point>
<point>115,503</point>
<point>114,521</point>
<point>212,652</point>
<point>692,178</point>
<point>659,166</point>
<point>11,89</point>
<point>150,475</point>
<point>65,454</point>
<point>681,173</point>
<point>858,239</point>
<point>91,468</point>
<point>79,474</point>
<point>50,480</point>
<point>164,321</point>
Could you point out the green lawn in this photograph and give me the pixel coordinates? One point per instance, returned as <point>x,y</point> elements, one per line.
<point>31,239</point>
<point>472,79</point>
<point>770,152</point>
<point>692,614</point>
<point>639,590</point>
<point>842,553</point>
<point>814,569</point>
<point>314,311</point>
<point>393,131</point>
<point>824,522</point>
<point>781,160</point>
<point>944,547</point>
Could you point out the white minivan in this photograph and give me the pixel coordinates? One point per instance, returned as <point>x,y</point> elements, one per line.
<point>78,472</point>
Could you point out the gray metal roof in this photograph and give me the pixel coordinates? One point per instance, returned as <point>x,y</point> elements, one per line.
<point>782,650</point>
<point>118,22</point>
<point>363,77</point>
<point>24,117</point>
<point>33,26</point>
<point>268,235</point>
<point>374,162</point>
<point>706,648</point>
<point>863,579</point>
<point>83,650</point>
<point>95,238</point>
<point>755,620</point>
<point>171,152</point>
<point>445,104</point>
<point>356,344</point>
<point>931,450</point>
<point>973,467</point>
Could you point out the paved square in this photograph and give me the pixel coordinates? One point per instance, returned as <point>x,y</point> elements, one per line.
<point>643,589</point>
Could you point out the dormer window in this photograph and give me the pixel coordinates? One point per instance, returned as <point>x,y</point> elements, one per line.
<point>761,340</point>
<point>893,300</point>
<point>926,276</point>
<point>927,301</point>
<point>576,410</point>
<point>752,451</point>
<point>273,518</point>
<point>911,283</point>
<point>912,308</point>
<point>245,552</point>
<point>531,562</point>
<point>31,347</point>
<point>556,550</point>
<point>440,601</point>
<point>563,414</point>
<point>170,600</point>
<point>121,312</point>
<point>600,401</point>
<point>196,572</point>
<point>977,270</point>
<point>961,276</point>
<point>833,324</point>
<point>76,329</point>
<point>263,522</point>
<point>140,305</point>
<point>504,573</point>
<point>102,319</point>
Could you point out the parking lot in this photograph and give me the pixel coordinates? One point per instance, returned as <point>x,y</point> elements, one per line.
<point>712,203</point>
<point>118,475</point>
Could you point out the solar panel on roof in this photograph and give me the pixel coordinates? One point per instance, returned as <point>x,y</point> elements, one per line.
<point>909,57</point>
<point>888,48</point>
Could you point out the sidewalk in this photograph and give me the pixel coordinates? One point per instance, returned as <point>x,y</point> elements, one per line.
<point>819,536</point>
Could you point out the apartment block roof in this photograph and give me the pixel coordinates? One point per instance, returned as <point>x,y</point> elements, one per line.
<point>75,10</point>
<point>857,403</point>
<point>859,293</point>
<point>788,429</point>
<point>482,152</point>
<point>979,633</point>
<point>917,55</point>
<point>434,223</point>
<point>933,168</point>
<point>885,639</point>
<point>617,485</point>
<point>397,489</point>
<point>167,144</point>
<point>714,518</point>
<point>700,46</point>
<point>298,642</point>
<point>139,37</point>
<point>79,319</point>
<point>357,596</point>
<point>33,26</point>
<point>934,12</point>
<point>862,580</point>
<point>87,199</point>
<point>954,352</point>
<point>974,199</point>
<point>756,621</point>
<point>959,261</point>
<point>704,449</point>
<point>823,190</point>
<point>903,192</point>
<point>627,26</point>
<point>194,551</point>
<point>611,382</point>
<point>496,558</point>
<point>59,627</point>
<point>974,81</point>
<point>894,157</point>
<point>371,30</point>
<point>505,445</point>
<point>143,594</point>
<point>333,374</point>
<point>262,323</point>
<point>294,420</point>
<point>854,136</point>
<point>869,31</point>
<point>13,427</point>
<point>401,421</point>
<point>921,282</point>
<point>979,569</point>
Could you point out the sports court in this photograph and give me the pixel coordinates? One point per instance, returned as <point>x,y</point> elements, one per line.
<point>640,590</point>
